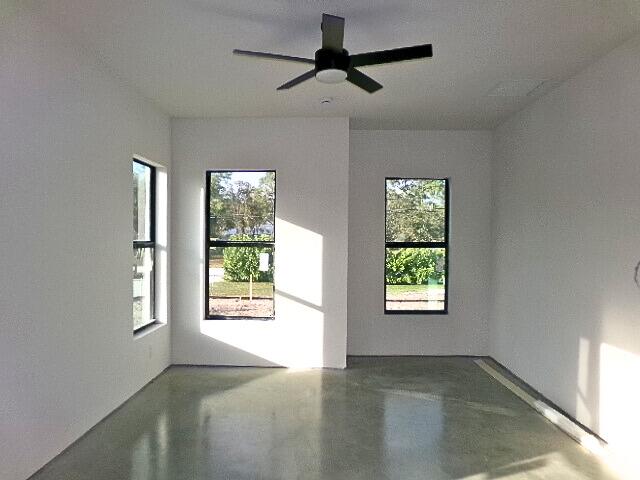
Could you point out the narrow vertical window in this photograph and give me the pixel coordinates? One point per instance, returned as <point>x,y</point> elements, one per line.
<point>416,245</point>
<point>144,244</point>
<point>240,239</point>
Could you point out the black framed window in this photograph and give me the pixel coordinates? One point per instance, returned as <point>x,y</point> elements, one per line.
<point>416,245</point>
<point>144,244</point>
<point>239,244</point>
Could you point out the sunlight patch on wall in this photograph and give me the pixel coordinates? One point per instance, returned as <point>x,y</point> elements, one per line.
<point>619,396</point>
<point>162,240</point>
<point>295,338</point>
<point>299,262</point>
<point>583,413</point>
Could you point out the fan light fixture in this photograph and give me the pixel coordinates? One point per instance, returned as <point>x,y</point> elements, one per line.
<point>331,75</point>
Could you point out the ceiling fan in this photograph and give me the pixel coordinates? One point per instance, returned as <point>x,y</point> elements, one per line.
<point>333,64</point>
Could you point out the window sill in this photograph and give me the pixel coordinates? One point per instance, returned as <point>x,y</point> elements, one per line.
<point>152,327</point>
<point>416,312</point>
<point>223,318</point>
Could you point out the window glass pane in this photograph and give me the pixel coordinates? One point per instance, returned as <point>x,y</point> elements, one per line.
<point>415,279</point>
<point>141,202</point>
<point>415,210</point>
<point>143,287</point>
<point>242,205</point>
<point>241,281</point>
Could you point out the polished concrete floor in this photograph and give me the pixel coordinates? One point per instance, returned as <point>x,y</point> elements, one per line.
<point>383,418</point>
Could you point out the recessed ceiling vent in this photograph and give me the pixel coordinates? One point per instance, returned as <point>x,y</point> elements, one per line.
<point>516,88</point>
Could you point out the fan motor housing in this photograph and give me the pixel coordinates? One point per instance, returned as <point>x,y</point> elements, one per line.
<point>333,64</point>
<point>331,60</point>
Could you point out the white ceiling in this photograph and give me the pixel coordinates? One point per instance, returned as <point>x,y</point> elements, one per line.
<point>178,53</point>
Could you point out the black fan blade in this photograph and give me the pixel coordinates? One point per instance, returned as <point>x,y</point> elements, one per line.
<point>332,32</point>
<point>390,56</point>
<point>274,56</point>
<point>361,80</point>
<point>297,80</point>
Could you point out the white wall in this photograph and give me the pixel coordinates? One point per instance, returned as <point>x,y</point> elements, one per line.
<point>566,314</point>
<point>464,157</point>
<point>310,157</point>
<point>67,136</point>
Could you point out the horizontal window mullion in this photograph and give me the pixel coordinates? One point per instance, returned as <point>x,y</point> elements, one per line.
<point>143,244</point>
<point>416,244</point>
<point>239,243</point>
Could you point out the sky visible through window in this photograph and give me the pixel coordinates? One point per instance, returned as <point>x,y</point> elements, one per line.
<point>250,177</point>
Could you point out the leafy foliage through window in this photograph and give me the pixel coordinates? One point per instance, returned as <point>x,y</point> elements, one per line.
<point>416,245</point>
<point>240,240</point>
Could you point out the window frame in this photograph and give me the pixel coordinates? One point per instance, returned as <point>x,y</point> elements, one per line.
<point>444,245</point>
<point>208,243</point>
<point>151,243</point>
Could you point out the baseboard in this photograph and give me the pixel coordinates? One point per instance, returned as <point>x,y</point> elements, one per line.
<point>552,412</point>
<point>540,403</point>
<point>558,417</point>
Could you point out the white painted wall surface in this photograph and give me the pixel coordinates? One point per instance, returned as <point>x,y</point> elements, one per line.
<point>310,157</point>
<point>67,135</point>
<point>566,314</point>
<point>464,157</point>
